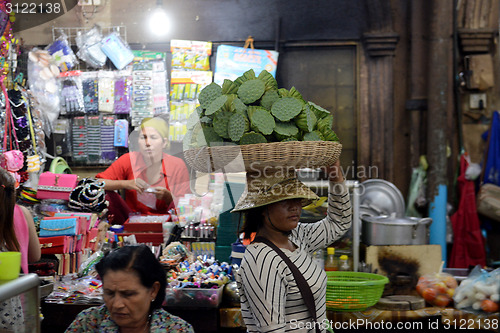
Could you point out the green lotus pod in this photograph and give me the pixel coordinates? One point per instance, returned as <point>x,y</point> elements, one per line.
<point>251,90</point>
<point>295,93</point>
<point>216,105</point>
<point>325,123</point>
<point>221,120</point>
<point>284,92</point>
<point>261,120</point>
<point>237,126</point>
<point>248,75</point>
<point>269,80</point>
<point>286,108</point>
<point>268,99</point>
<point>318,110</point>
<point>229,87</point>
<point>330,135</point>
<point>306,119</point>
<point>313,136</point>
<point>240,107</point>
<point>286,129</point>
<point>208,94</point>
<point>251,138</point>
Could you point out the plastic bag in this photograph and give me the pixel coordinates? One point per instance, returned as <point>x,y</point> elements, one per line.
<point>479,292</point>
<point>62,54</point>
<point>437,289</point>
<point>42,74</point>
<point>89,45</point>
<point>117,50</point>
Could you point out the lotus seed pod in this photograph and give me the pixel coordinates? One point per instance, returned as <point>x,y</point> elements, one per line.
<point>318,110</point>
<point>237,126</point>
<point>269,80</point>
<point>251,90</point>
<point>306,119</point>
<point>286,108</point>
<point>313,136</point>
<point>325,123</point>
<point>269,98</point>
<point>286,128</point>
<point>330,135</point>
<point>248,75</point>
<point>295,93</point>
<point>229,87</point>
<point>261,120</point>
<point>216,105</point>
<point>208,94</point>
<point>252,138</point>
<point>220,123</point>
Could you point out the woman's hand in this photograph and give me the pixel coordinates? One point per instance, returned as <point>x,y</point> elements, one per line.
<point>335,173</point>
<point>163,194</point>
<point>138,185</point>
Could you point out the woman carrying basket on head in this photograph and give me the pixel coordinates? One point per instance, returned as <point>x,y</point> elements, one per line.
<point>272,297</point>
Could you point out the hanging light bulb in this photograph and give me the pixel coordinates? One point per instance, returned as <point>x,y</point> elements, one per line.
<point>159,22</point>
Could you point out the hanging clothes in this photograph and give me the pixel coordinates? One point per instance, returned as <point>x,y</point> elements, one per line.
<point>468,242</point>
<point>492,163</point>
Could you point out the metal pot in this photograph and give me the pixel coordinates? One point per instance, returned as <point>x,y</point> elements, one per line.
<point>391,230</point>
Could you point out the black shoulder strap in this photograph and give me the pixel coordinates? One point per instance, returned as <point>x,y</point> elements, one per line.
<point>304,288</point>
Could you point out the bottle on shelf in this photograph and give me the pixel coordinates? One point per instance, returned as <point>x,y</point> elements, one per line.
<point>319,258</point>
<point>331,261</point>
<point>344,263</point>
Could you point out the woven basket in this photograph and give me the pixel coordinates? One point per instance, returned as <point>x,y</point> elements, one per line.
<point>260,156</point>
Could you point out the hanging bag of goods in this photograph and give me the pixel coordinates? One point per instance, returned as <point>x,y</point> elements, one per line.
<point>13,159</point>
<point>249,124</point>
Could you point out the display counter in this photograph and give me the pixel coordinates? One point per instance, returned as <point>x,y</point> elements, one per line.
<point>228,319</point>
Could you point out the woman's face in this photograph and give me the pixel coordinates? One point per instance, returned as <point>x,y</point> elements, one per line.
<point>127,300</point>
<point>151,143</point>
<point>284,214</point>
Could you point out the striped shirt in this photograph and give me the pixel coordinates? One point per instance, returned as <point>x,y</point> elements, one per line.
<point>270,298</point>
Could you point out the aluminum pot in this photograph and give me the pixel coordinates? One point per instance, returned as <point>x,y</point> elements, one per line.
<point>391,230</point>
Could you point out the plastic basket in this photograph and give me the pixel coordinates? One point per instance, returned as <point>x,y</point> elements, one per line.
<point>259,156</point>
<point>353,291</point>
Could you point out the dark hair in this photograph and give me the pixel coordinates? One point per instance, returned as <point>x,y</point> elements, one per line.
<point>141,260</point>
<point>252,221</point>
<point>7,204</point>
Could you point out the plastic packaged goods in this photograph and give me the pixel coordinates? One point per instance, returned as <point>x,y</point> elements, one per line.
<point>331,262</point>
<point>344,263</point>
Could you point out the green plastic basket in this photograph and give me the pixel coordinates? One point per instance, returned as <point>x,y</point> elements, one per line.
<point>353,291</point>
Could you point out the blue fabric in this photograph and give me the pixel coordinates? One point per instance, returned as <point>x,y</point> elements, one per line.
<point>492,167</point>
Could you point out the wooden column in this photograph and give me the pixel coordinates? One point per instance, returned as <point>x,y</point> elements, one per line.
<point>377,122</point>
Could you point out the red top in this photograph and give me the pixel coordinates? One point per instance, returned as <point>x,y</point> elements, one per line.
<point>175,178</point>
